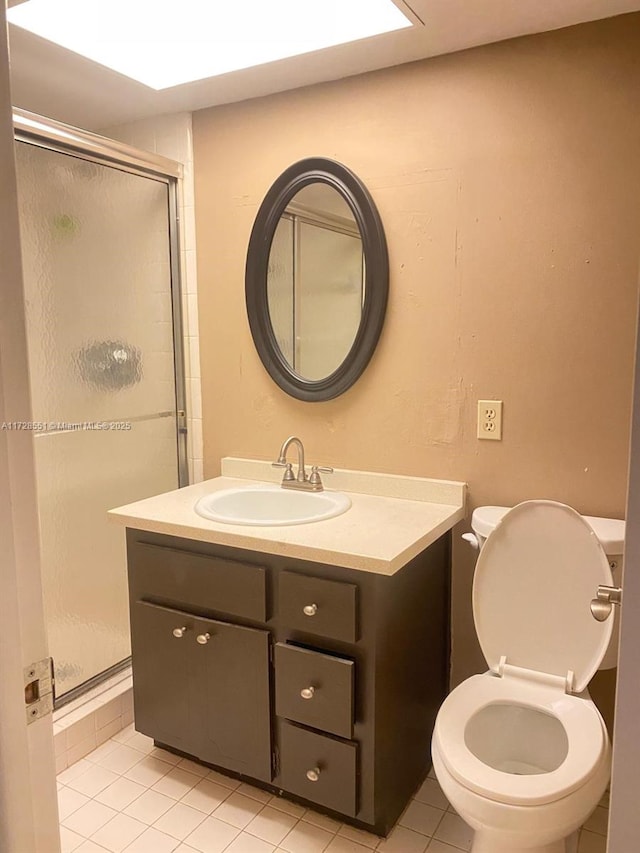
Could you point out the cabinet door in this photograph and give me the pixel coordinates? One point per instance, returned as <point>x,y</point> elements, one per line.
<point>231,691</point>
<point>162,650</point>
<point>202,686</point>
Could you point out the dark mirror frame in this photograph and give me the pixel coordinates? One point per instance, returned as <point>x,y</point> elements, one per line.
<point>291,181</point>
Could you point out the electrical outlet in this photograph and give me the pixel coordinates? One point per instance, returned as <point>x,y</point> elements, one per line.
<point>490,419</point>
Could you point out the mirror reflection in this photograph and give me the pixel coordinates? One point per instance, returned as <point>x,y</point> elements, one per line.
<point>315,281</point>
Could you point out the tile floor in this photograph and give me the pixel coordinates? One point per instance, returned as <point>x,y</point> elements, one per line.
<point>129,796</point>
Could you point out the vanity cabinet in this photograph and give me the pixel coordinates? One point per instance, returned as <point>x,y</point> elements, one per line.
<point>314,680</point>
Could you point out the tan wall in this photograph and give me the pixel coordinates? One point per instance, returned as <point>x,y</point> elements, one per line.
<point>508,182</point>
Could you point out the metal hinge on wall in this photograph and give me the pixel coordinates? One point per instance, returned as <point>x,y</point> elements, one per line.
<point>38,689</point>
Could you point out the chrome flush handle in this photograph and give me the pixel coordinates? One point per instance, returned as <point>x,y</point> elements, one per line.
<point>602,604</point>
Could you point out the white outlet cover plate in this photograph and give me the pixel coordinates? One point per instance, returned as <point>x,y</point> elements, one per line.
<point>490,420</point>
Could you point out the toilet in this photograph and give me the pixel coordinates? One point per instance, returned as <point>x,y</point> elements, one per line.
<point>522,752</point>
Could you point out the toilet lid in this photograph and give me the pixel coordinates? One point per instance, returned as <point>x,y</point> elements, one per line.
<point>534,581</point>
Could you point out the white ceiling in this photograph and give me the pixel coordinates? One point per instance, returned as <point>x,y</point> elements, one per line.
<point>54,82</point>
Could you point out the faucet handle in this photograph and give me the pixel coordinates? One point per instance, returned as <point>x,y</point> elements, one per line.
<point>314,479</point>
<point>288,474</point>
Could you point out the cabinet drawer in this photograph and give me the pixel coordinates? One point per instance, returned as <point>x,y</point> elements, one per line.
<point>194,579</point>
<point>318,768</point>
<point>318,606</point>
<point>314,689</point>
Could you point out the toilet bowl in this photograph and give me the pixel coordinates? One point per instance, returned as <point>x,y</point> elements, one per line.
<point>521,751</point>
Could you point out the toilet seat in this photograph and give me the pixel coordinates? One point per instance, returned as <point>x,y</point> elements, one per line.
<point>582,723</point>
<point>533,584</point>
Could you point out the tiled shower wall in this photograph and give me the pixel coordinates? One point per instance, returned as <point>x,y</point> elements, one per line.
<point>93,719</point>
<point>171,136</point>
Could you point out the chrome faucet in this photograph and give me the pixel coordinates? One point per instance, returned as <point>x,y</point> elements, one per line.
<point>312,483</point>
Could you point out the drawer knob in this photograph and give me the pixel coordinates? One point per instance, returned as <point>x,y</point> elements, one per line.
<point>310,609</point>
<point>203,639</point>
<point>179,632</point>
<point>307,692</point>
<point>313,775</point>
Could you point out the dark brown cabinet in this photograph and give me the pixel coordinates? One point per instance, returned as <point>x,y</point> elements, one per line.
<point>316,681</point>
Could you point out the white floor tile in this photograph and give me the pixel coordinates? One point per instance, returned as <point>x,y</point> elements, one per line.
<point>255,793</point>
<point>591,842</point>
<point>120,759</point>
<point>165,755</point>
<point>69,840</point>
<point>238,810</point>
<point>89,818</point>
<point>124,734</point>
<point>149,807</point>
<point>74,771</point>
<point>89,847</point>
<point>306,838</point>
<point>185,849</point>
<point>120,793</point>
<point>403,840</point>
<point>432,794</point>
<point>287,806</point>
<point>598,821</point>
<point>93,780</point>
<point>271,825</point>
<point>366,839</point>
<point>322,820</point>
<point>176,783</point>
<point>152,841</point>
<point>118,833</point>
<point>440,847</point>
<point>421,817</point>
<point>221,779</point>
<point>453,830</point>
<point>141,742</point>
<point>148,771</point>
<point>193,767</point>
<point>245,843</point>
<point>212,836</point>
<point>206,796</point>
<point>104,749</point>
<point>340,844</point>
<point>69,801</point>
<point>179,821</point>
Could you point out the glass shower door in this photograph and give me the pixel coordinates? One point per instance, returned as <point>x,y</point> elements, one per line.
<point>97,271</point>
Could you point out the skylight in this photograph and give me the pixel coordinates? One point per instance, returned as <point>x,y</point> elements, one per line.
<point>162,43</point>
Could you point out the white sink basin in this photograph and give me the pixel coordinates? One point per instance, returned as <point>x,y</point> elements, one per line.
<point>270,506</point>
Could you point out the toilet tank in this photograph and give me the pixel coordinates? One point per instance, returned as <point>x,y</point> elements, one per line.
<point>610,532</point>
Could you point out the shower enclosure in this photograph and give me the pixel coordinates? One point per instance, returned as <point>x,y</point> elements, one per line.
<point>100,256</point>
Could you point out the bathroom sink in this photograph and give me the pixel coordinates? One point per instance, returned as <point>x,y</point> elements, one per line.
<point>271,506</point>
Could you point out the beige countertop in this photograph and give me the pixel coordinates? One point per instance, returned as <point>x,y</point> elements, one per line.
<point>392,518</point>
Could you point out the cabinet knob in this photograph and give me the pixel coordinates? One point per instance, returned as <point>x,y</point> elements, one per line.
<point>310,609</point>
<point>203,639</point>
<point>313,775</point>
<point>307,692</point>
<point>179,632</point>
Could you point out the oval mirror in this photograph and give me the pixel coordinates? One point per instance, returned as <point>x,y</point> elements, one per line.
<point>316,279</point>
